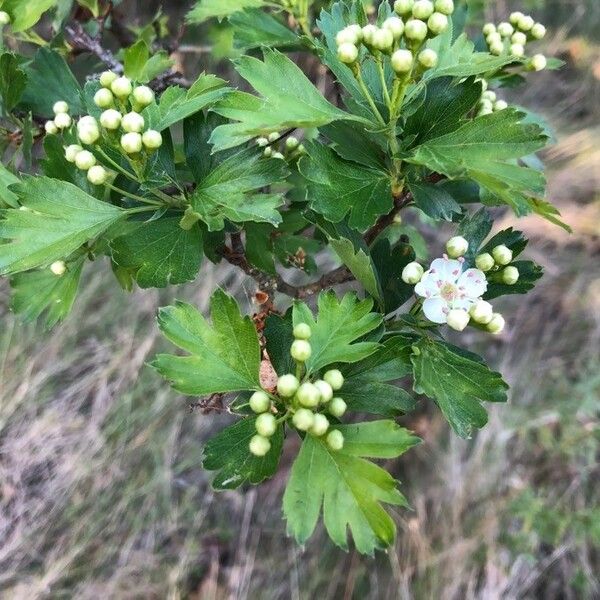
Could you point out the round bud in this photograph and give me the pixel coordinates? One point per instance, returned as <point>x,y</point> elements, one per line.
<point>484,84</point>
<point>143,95</point>
<point>437,23</point>
<point>291,143</point>
<point>383,40</point>
<point>131,143</point>
<point>368,31</point>
<point>58,267</point>
<point>308,395</point>
<point>496,324</point>
<point>446,7</point>
<point>62,120</point>
<point>268,152</point>
<point>500,105</point>
<point>121,87</point>
<point>485,110</point>
<point>403,7</point>
<point>301,149</point>
<point>497,48</point>
<point>502,255</point>
<point>107,78</point>
<point>302,331</point>
<point>357,30</point>
<point>320,425</point>
<point>489,95</point>
<point>110,119</point>
<point>133,122</point>
<point>72,151</point>
<point>412,273</point>
<point>415,30</point>
<point>347,53</point>
<point>300,350</point>
<point>87,121</point>
<point>4,18</point>
<point>259,446</point>
<point>335,439</point>
<point>525,23</point>
<point>481,312</point>
<point>402,61</point>
<point>303,419</point>
<point>97,175</point>
<point>484,262</point>
<point>325,390</point>
<point>50,127</point>
<point>457,246</point>
<point>395,25</point>
<point>510,275</point>
<point>278,156</point>
<point>103,98</point>
<point>347,36</point>
<point>458,319</point>
<point>152,139</point>
<point>60,107</point>
<point>262,142</point>
<point>88,135</point>
<point>260,402</point>
<point>337,407</point>
<point>487,106</point>
<point>505,29</point>
<point>85,160</point>
<point>538,31</point>
<point>538,62</point>
<point>266,424</point>
<point>274,136</point>
<point>422,9</point>
<point>334,378</point>
<point>517,50</point>
<point>515,17</point>
<point>518,37</point>
<point>488,29</point>
<point>287,385</point>
<point>493,38</point>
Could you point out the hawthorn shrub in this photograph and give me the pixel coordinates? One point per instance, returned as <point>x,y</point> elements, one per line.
<point>276,179</point>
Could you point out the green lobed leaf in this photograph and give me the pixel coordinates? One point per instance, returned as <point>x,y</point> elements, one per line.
<point>434,200</point>
<point>26,13</point>
<point>475,228</point>
<point>228,454</point>
<point>347,488</point>
<point>257,29</point>
<point>224,357</point>
<point>140,66</point>
<point>8,199</point>
<point>529,273</point>
<point>208,9</point>
<point>457,383</point>
<point>60,218</point>
<point>12,81</point>
<point>279,337</point>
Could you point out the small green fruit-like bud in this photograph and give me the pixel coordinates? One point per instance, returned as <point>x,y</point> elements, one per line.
<point>383,40</point>
<point>72,151</point>
<point>320,425</point>
<point>357,30</point>
<point>518,37</point>
<point>538,62</point>
<point>308,395</point>
<point>458,319</point>
<point>287,385</point>
<point>334,378</point>
<point>496,48</point>
<point>437,23</point>
<point>88,135</point>
<point>62,120</point>
<point>493,38</point>
<point>415,30</point>
<point>517,50</point>
<point>266,424</point>
<point>502,255</point>
<point>131,143</point>
<point>302,331</point>
<point>347,36</point>
<point>412,273</point>
<point>446,7</point>
<point>97,175</point>
<point>325,390</point>
<point>525,23</point>
<point>268,153</point>
<point>259,446</point>
<point>152,139</point>
<point>143,95</point>
<point>303,419</point>
<point>51,128</point>
<point>104,98</point>
<point>260,402</point>
<point>274,136</point>
<point>368,32</point>
<point>422,9</point>
<point>4,18</point>
<point>485,110</point>
<point>121,87</point>
<point>457,246</point>
<point>481,312</point>
<point>510,275</point>
<point>87,121</point>
<point>335,439</point>
<point>489,95</point>
<point>488,29</point>
<point>110,119</point>
<point>538,31</point>
<point>515,17</point>
<point>395,25</point>
<point>262,142</point>
<point>60,107</point>
<point>402,61</point>
<point>133,122</point>
<point>497,324</point>
<point>403,7</point>
<point>85,160</point>
<point>337,407</point>
<point>58,268</point>
<point>300,350</point>
<point>291,143</point>
<point>484,262</point>
<point>505,29</point>
<point>278,156</point>
<point>500,105</point>
<point>107,78</point>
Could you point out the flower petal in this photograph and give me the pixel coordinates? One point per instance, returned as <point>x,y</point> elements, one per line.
<point>472,283</point>
<point>446,269</point>
<point>436,309</point>
<point>428,286</point>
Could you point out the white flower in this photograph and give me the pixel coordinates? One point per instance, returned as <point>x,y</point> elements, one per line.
<point>445,287</point>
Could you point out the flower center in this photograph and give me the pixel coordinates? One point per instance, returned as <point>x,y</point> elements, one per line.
<point>449,292</point>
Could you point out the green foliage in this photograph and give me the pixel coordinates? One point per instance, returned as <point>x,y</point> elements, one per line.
<point>8,199</point>
<point>12,82</point>
<point>141,66</point>
<point>207,9</point>
<point>24,13</point>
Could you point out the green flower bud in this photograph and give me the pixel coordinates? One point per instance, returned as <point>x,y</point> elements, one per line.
<point>4,18</point>
<point>104,98</point>
<point>485,110</point>
<point>515,17</point>
<point>152,139</point>
<point>300,350</point>
<point>502,255</point>
<point>308,395</point>
<point>457,246</point>
<point>262,142</point>
<point>278,156</point>
<point>458,319</point>
<point>496,324</point>
<point>496,48</point>
<point>133,122</point>
<point>303,419</point>
<point>337,407</point>
<point>320,425</point>
<point>131,142</point>
<point>58,267</point>
<point>335,440</point>
<point>412,273</point>
<point>415,30</point>
<point>50,127</point>
<point>538,31</point>
<point>143,95</point>
<point>107,78</point>
<point>111,119</point>
<point>302,331</point>
<point>484,262</point>
<point>62,120</point>
<point>489,95</point>
<point>538,62</point>
<point>510,275</point>
<point>422,9</point>
<point>260,402</point>
<point>291,143</point>
<point>268,153</point>
<point>446,7</point>
<point>287,385</point>
<point>325,390</point>
<point>88,135</point>
<point>72,151</point>
<point>383,40</point>
<point>266,424</point>
<point>488,29</point>
<point>437,23</point>
<point>357,30</point>
<point>481,312</point>
<point>395,25</point>
<point>348,36</point>
<point>517,50</point>
<point>259,446</point>
<point>85,160</point>
<point>525,23</point>
<point>518,37</point>
<point>494,38</point>
<point>121,87</point>
<point>274,136</point>
<point>487,106</point>
<point>87,121</point>
<point>505,29</point>
<point>60,107</point>
<point>500,105</point>
<point>368,32</point>
<point>402,61</point>
<point>97,175</point>
<point>334,378</point>
<point>403,7</point>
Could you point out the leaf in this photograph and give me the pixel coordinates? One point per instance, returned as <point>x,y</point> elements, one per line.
<point>349,488</point>
<point>223,358</point>
<point>337,328</point>
<point>288,101</point>
<point>36,292</point>
<point>7,197</point>
<point>279,337</point>
<point>457,383</point>
<point>208,9</point>
<point>256,29</point>
<point>228,453</point>
<point>25,13</point>
<point>230,190</point>
<point>434,200</point>
<point>12,81</point>
<point>91,5</point>
<point>142,67</point>
<point>161,252</point>
<point>337,187</point>
<point>475,228</point>
<point>60,218</point>
<point>353,142</point>
<point>529,273</point>
<point>366,387</point>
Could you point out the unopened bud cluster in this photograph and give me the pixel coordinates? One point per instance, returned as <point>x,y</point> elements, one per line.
<point>275,146</point>
<point>490,103</point>
<point>498,264</point>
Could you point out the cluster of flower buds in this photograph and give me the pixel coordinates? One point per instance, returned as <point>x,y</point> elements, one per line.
<point>512,37</point>
<point>4,18</point>
<point>452,295</point>
<point>306,401</point>
<point>489,103</point>
<point>498,265</point>
<point>275,147</point>
<point>401,36</point>
<point>62,119</point>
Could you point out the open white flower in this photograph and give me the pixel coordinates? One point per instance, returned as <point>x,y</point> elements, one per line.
<point>445,287</point>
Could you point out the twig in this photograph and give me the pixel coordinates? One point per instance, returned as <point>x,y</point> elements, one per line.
<point>82,41</point>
